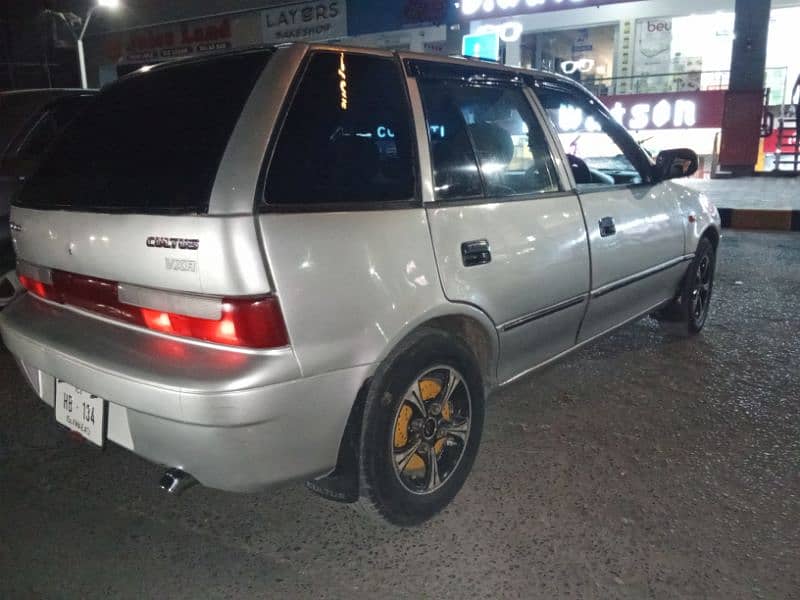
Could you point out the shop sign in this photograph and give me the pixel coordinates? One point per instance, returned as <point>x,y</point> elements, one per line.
<point>305,21</point>
<point>668,111</point>
<point>485,46</point>
<point>583,65</point>
<point>182,40</point>
<point>157,44</point>
<point>511,31</point>
<point>481,9</point>
<point>425,11</point>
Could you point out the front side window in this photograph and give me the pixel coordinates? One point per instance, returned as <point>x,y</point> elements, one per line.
<point>592,142</point>
<point>347,136</point>
<point>485,136</point>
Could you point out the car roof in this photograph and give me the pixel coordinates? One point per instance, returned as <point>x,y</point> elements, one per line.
<point>420,56</point>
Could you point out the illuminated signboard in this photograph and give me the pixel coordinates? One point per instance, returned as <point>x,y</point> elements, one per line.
<point>676,114</point>
<point>666,111</point>
<point>481,45</point>
<point>479,9</point>
<point>697,110</point>
<point>508,32</point>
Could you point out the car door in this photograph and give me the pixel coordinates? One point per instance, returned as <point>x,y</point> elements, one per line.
<point>636,230</point>
<point>508,236</point>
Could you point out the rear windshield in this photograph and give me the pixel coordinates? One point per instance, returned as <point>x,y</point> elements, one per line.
<point>150,143</point>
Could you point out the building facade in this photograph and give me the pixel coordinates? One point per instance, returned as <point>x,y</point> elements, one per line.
<point>662,67</point>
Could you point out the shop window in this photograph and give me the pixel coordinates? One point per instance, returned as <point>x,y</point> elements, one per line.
<point>585,54</point>
<point>347,137</point>
<point>595,147</point>
<point>493,124</point>
<point>682,54</point>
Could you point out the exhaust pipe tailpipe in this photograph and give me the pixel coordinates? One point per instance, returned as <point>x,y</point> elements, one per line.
<point>175,481</point>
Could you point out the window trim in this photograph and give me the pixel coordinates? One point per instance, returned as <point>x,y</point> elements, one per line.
<point>261,203</point>
<point>526,197</point>
<point>485,198</point>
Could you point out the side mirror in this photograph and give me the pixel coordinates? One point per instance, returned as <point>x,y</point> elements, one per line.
<point>673,164</point>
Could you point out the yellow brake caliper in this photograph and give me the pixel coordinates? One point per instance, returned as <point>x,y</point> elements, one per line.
<point>428,389</point>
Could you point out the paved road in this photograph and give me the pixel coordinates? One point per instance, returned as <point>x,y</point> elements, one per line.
<point>643,466</point>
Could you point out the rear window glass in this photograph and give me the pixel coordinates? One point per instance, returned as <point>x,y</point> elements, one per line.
<point>347,138</point>
<point>148,143</point>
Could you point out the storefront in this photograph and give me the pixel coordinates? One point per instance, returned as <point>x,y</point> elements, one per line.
<point>114,53</point>
<point>663,64</point>
<point>416,25</point>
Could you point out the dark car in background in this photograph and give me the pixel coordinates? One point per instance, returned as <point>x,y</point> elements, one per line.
<point>29,121</point>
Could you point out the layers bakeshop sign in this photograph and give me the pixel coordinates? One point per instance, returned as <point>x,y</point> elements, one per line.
<point>305,21</point>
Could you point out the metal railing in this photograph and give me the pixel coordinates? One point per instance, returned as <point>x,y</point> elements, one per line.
<point>684,81</point>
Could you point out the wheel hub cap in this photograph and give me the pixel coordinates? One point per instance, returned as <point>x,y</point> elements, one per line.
<point>431,429</point>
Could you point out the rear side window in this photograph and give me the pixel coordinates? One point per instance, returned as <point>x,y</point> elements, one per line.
<point>347,136</point>
<point>496,126</point>
<point>150,143</point>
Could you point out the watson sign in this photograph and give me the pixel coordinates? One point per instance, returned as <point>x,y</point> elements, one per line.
<point>668,111</point>
<point>480,9</point>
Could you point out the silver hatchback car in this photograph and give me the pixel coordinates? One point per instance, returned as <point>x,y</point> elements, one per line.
<point>316,262</point>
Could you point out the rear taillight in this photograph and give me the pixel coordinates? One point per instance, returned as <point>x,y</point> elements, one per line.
<point>244,322</point>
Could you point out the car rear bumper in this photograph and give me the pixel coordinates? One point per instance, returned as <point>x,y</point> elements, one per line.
<point>237,421</point>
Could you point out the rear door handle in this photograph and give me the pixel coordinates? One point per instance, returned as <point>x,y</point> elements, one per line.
<point>607,227</point>
<point>476,252</point>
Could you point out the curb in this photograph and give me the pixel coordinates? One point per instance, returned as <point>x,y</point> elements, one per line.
<point>770,220</point>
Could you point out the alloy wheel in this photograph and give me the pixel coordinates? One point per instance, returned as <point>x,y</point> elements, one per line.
<point>701,290</point>
<point>430,430</point>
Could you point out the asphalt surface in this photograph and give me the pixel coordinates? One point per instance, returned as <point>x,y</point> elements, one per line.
<point>642,466</point>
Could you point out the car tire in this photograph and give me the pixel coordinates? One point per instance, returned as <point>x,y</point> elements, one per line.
<point>417,449</point>
<point>688,313</point>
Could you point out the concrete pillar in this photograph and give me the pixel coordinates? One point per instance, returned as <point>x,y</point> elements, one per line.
<point>743,102</point>
<point>749,58</point>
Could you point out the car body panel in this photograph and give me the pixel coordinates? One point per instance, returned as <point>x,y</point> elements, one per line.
<point>350,282</point>
<point>238,175</point>
<point>227,261</point>
<point>539,259</point>
<point>226,426</point>
<point>649,235</point>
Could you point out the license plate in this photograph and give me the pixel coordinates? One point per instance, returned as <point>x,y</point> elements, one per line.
<point>80,411</point>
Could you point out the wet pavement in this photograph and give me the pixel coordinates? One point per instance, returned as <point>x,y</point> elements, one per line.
<point>763,192</point>
<point>642,466</point>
